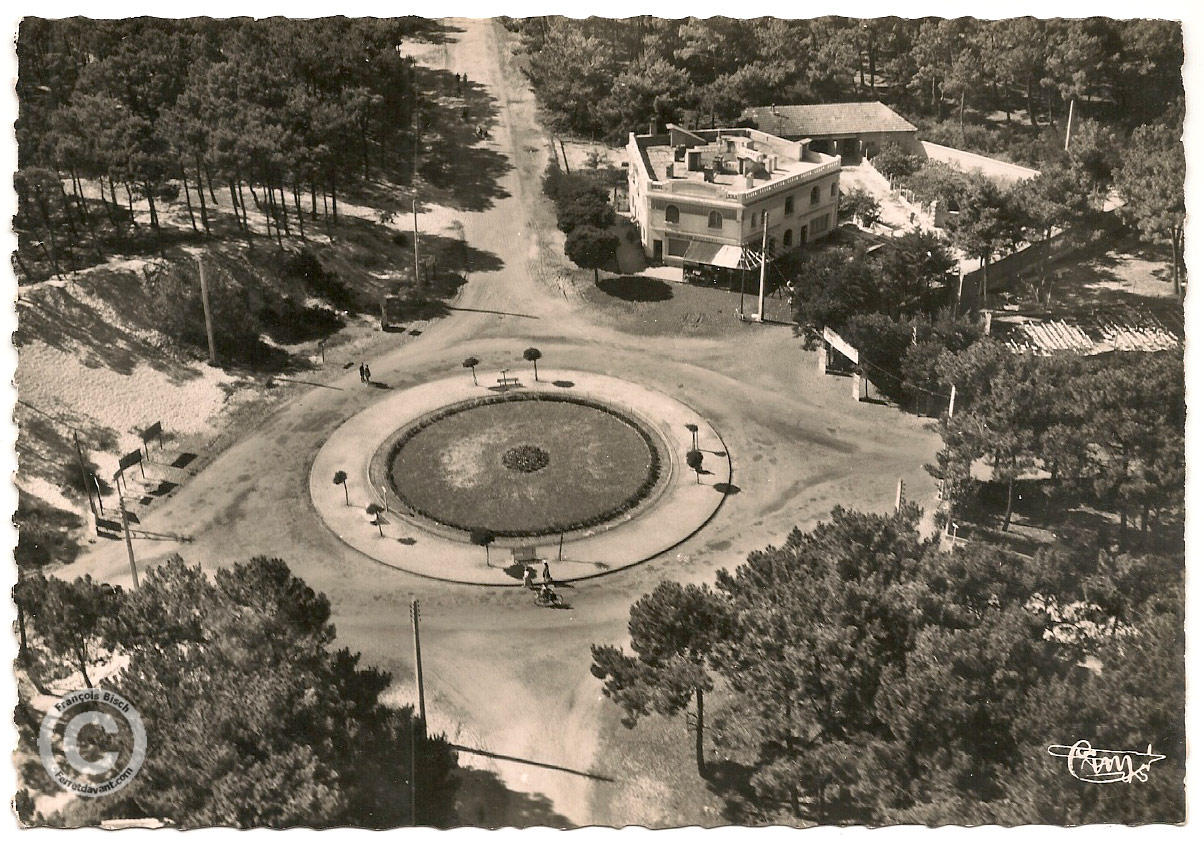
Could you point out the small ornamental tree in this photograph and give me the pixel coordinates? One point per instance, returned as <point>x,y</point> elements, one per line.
<point>472,363</point>
<point>374,509</point>
<point>694,460</point>
<point>482,537</point>
<point>532,356</point>
<point>693,428</point>
<point>591,248</point>
<point>340,478</point>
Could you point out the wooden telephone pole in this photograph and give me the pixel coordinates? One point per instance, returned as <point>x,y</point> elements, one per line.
<point>129,545</point>
<point>414,617</point>
<point>83,473</point>
<point>420,722</point>
<point>764,258</point>
<point>414,186</point>
<point>208,314</point>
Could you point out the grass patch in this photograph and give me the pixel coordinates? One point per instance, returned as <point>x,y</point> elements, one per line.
<point>594,464</point>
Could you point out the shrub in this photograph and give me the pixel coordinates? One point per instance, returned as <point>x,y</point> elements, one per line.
<point>305,266</point>
<point>861,204</point>
<point>893,161</point>
<point>289,321</point>
<point>936,180</point>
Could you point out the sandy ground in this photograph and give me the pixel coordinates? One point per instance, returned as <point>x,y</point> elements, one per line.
<point>502,675</point>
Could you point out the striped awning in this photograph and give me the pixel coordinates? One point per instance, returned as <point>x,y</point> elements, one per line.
<point>725,256</point>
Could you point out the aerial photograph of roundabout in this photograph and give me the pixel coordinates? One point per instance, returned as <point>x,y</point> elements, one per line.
<point>583,468</point>
<point>525,436</point>
<point>551,459</point>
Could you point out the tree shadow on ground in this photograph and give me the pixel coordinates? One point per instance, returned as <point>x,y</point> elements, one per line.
<point>726,488</point>
<point>732,782</point>
<point>635,288</point>
<point>484,801</point>
<point>459,168</point>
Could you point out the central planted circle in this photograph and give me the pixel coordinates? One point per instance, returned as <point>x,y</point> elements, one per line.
<point>524,465</point>
<point>526,458</point>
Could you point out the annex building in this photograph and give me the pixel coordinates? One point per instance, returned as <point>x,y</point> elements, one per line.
<point>703,197</point>
<point>852,130</point>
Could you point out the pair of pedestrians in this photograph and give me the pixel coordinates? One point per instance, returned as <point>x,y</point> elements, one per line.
<point>529,575</point>
<point>365,373</point>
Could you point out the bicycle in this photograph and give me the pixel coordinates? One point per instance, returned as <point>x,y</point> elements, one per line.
<point>548,598</point>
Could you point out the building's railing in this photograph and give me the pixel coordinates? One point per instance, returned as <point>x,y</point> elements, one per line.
<point>745,195</point>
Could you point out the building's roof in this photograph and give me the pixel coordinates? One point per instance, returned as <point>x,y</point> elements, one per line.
<point>778,162</point>
<point>1103,331</point>
<point>837,118</point>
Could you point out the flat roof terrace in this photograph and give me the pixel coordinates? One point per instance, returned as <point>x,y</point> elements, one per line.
<point>726,182</point>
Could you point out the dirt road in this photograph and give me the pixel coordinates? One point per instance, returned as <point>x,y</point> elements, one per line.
<point>504,676</point>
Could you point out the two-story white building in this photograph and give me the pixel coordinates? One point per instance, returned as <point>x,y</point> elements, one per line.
<point>703,197</point>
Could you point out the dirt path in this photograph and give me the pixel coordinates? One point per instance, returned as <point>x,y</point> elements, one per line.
<point>505,676</point>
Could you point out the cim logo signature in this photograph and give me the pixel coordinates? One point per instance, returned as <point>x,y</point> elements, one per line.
<point>1106,766</point>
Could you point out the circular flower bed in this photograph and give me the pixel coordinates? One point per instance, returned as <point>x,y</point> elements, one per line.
<point>524,465</point>
<point>526,458</point>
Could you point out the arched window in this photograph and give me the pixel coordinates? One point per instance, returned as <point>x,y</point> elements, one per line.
<point>671,213</point>
<point>714,219</point>
<point>789,205</point>
<point>815,195</point>
<point>787,238</point>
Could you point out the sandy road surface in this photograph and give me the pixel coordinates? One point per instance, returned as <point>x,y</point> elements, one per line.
<point>503,675</point>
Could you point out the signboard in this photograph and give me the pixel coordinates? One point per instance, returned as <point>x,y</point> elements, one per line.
<point>134,457</point>
<point>153,431</point>
<point>392,311</point>
<point>833,339</point>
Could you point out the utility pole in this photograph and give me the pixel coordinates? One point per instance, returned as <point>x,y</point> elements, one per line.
<point>99,501</point>
<point>208,314</point>
<point>743,277</point>
<point>1069,122</point>
<point>83,474</point>
<point>764,259</point>
<point>899,495</point>
<point>414,616</point>
<point>413,775</point>
<point>129,545</point>
<point>952,397</point>
<point>414,186</point>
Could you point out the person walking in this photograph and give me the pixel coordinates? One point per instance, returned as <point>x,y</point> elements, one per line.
<point>547,572</point>
<point>367,374</point>
<point>363,379</point>
<point>528,577</point>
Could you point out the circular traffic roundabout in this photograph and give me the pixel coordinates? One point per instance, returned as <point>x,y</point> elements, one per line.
<point>455,481</point>
<point>522,464</point>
